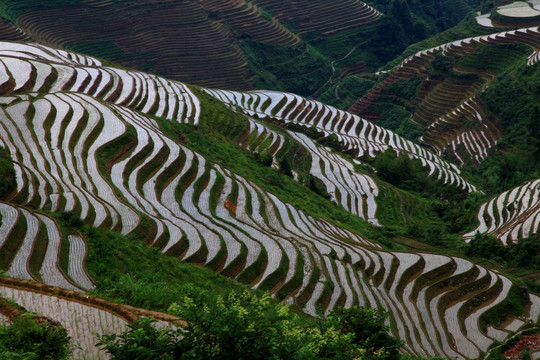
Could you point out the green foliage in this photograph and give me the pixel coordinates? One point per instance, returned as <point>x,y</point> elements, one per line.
<point>368,329</point>
<point>264,159</point>
<point>141,341</point>
<point>125,270</point>
<point>512,98</point>
<point>7,174</point>
<point>29,340</point>
<point>344,94</point>
<point>71,219</point>
<point>307,70</point>
<point>216,138</point>
<point>427,16</point>
<point>11,9</point>
<point>496,354</point>
<point>299,70</point>
<point>410,175</point>
<point>421,208</point>
<point>442,67</point>
<point>285,167</point>
<point>404,88</point>
<point>397,118</point>
<point>485,246</point>
<point>493,58</point>
<point>523,254</point>
<point>317,186</point>
<point>526,355</point>
<point>244,326</point>
<point>512,305</point>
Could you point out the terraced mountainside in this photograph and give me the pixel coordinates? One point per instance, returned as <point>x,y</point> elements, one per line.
<point>300,46</point>
<point>512,215</point>
<point>354,133</point>
<point>450,78</point>
<point>83,316</point>
<point>196,41</point>
<point>204,175</point>
<point>470,96</point>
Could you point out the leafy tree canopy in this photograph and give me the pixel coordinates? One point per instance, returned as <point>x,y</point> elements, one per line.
<point>245,326</point>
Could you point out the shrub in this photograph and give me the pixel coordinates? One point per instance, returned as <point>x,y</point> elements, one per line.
<point>245,326</point>
<point>285,167</point>
<point>27,339</point>
<point>264,159</point>
<point>71,219</point>
<point>7,174</point>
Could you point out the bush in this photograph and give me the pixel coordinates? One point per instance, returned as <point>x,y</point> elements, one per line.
<point>27,339</point>
<point>7,174</point>
<point>285,167</point>
<point>368,330</point>
<point>244,326</point>
<point>485,246</point>
<point>71,219</point>
<point>264,159</point>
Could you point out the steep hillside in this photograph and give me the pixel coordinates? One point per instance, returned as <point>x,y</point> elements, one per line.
<point>439,90</point>
<point>470,95</point>
<point>193,173</point>
<point>300,46</point>
<point>81,315</point>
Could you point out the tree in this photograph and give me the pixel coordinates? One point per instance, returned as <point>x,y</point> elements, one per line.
<point>368,331</point>
<point>485,246</point>
<point>246,326</point>
<point>32,338</point>
<point>142,341</point>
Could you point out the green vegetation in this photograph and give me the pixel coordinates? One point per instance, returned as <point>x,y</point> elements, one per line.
<point>417,211</point>
<point>427,17</point>
<point>345,93</point>
<point>308,70</point>
<point>397,119</point>
<point>468,27</point>
<point>241,325</point>
<point>127,271</point>
<point>494,58</point>
<point>512,306</point>
<point>296,70</point>
<point>215,138</point>
<point>100,48</point>
<point>520,258</point>
<point>29,339</point>
<point>447,209</point>
<point>11,9</point>
<point>406,88</point>
<point>7,174</point>
<point>513,98</point>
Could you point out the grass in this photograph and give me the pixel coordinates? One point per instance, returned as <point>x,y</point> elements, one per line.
<point>512,306</point>
<point>295,282</point>
<point>126,271</point>
<point>215,138</point>
<point>494,58</point>
<point>466,28</point>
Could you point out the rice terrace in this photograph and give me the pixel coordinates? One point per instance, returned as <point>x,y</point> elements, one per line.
<point>270,179</point>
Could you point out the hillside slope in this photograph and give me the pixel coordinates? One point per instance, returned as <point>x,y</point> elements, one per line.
<point>113,147</point>
<point>300,46</point>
